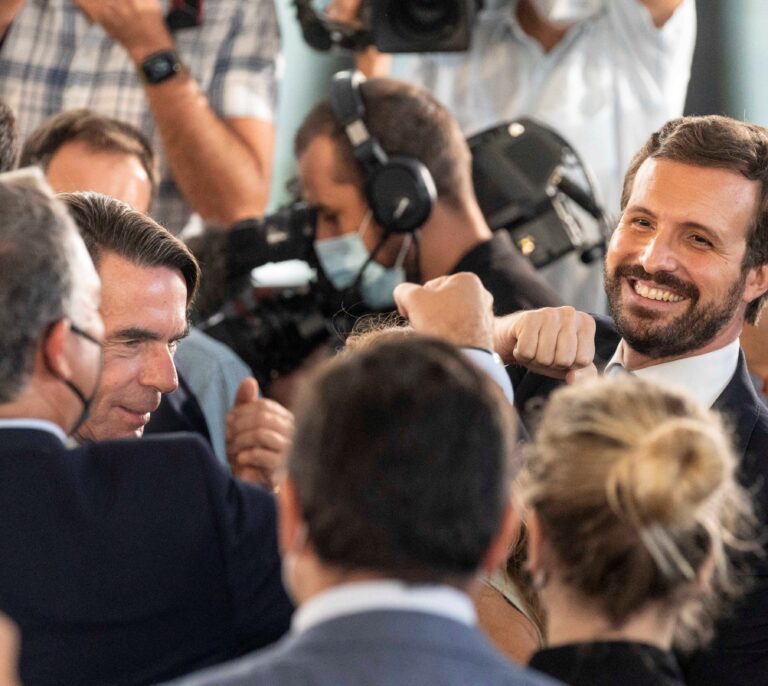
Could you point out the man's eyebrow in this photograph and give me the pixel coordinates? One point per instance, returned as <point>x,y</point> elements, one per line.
<point>640,209</point>
<point>136,333</point>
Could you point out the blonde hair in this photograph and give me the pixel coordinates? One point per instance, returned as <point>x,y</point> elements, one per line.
<point>635,489</point>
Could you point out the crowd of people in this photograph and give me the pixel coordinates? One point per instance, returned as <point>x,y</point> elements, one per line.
<point>484,484</point>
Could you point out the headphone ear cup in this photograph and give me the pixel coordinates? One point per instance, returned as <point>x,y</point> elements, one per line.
<point>401,194</point>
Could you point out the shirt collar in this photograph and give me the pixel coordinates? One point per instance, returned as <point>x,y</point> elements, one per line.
<point>705,376</point>
<point>366,596</point>
<point>36,424</point>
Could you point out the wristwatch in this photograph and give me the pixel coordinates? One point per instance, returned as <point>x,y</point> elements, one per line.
<point>160,66</point>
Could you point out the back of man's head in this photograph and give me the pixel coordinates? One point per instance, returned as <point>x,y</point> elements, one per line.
<point>108,225</point>
<point>9,138</point>
<point>406,120</point>
<point>37,281</point>
<point>399,462</point>
<point>100,133</point>
<point>722,143</point>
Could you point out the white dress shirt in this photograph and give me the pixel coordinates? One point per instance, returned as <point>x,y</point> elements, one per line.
<point>386,594</point>
<point>492,365</point>
<point>703,376</point>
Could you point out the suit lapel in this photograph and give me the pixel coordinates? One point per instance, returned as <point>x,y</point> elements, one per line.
<point>740,403</point>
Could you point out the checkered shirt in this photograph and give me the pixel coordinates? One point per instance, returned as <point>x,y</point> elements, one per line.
<point>53,59</point>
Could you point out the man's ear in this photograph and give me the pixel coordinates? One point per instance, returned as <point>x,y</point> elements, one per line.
<point>501,544</point>
<point>291,529</point>
<point>53,350</point>
<point>756,283</point>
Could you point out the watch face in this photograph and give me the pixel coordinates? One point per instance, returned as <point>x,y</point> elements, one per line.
<point>159,67</point>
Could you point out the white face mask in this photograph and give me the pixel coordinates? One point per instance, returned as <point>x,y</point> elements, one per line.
<point>563,13</point>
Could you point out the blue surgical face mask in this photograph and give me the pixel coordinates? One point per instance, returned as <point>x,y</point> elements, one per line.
<point>343,257</point>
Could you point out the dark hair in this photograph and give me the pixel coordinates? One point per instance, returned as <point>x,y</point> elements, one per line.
<point>109,225</point>
<point>722,143</point>
<point>36,286</point>
<point>101,133</point>
<point>406,120</point>
<point>9,138</point>
<point>400,461</point>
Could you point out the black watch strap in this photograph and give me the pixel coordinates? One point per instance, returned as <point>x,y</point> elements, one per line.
<point>160,66</point>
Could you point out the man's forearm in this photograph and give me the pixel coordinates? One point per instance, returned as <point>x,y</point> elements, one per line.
<point>222,167</point>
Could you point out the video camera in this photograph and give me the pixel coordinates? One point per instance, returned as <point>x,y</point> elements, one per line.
<point>272,329</point>
<point>393,26</point>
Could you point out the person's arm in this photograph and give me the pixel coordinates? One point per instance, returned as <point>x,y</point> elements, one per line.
<point>554,341</point>
<point>661,10</point>
<point>370,61</point>
<point>221,165</point>
<point>8,11</point>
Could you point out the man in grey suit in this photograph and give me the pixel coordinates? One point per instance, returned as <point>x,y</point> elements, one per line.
<point>397,497</point>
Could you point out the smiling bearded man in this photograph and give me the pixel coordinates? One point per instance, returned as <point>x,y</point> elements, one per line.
<point>686,267</point>
<point>678,272</point>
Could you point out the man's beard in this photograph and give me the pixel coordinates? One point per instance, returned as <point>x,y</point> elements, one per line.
<point>689,331</point>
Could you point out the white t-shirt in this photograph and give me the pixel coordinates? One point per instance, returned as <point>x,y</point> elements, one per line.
<point>611,81</point>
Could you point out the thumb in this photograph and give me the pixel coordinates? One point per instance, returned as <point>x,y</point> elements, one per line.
<point>248,391</point>
<point>403,295</point>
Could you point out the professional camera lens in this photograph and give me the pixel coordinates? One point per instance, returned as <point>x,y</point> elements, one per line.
<point>423,18</point>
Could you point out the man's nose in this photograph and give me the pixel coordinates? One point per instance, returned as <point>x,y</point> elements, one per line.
<point>659,254</point>
<point>159,371</point>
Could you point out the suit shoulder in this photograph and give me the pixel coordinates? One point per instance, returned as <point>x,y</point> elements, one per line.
<point>180,445</point>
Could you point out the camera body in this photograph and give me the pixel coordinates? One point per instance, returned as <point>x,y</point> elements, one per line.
<point>422,25</point>
<point>394,26</point>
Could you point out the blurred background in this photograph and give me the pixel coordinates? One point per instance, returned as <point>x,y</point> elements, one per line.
<point>728,75</point>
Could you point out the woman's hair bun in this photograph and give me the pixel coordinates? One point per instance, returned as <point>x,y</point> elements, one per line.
<point>671,472</point>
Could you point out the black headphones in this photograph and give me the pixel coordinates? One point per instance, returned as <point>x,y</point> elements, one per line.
<point>399,190</point>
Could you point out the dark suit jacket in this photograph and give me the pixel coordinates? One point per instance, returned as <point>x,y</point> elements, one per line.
<point>130,562</point>
<point>376,648</point>
<point>739,652</point>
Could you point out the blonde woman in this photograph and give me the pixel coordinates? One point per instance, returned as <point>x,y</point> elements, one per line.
<point>632,511</point>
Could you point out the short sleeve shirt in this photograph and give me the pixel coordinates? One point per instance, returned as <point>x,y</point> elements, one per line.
<point>53,59</point>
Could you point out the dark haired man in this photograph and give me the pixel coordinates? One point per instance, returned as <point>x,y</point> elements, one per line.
<point>125,561</point>
<point>686,267</point>
<point>149,279</point>
<point>80,150</point>
<point>390,508</point>
<point>406,121</point>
